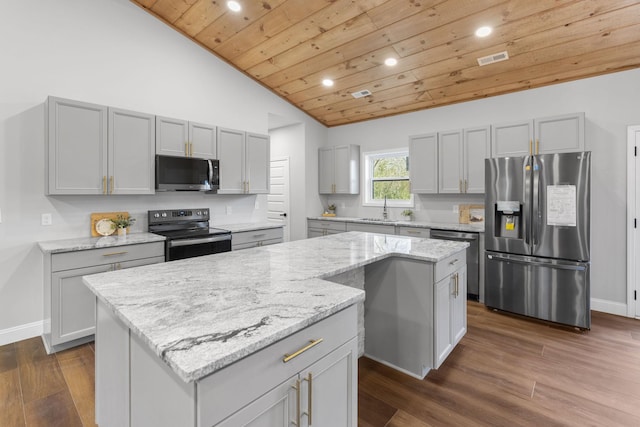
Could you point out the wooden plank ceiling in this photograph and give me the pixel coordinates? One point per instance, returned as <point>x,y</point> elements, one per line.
<point>290,46</point>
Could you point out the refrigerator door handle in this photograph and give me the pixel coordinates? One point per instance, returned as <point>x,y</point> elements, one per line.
<point>535,222</point>
<point>526,209</point>
<point>528,261</point>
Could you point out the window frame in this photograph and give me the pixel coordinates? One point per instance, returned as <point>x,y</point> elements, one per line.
<point>367,160</point>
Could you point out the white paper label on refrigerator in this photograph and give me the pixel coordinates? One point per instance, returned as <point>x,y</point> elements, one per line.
<point>561,205</point>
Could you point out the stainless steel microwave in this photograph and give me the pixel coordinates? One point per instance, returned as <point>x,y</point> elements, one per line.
<point>187,174</point>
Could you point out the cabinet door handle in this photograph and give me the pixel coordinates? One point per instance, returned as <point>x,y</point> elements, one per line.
<point>312,343</point>
<point>297,389</point>
<point>460,186</point>
<point>248,186</point>
<point>466,185</point>
<point>115,253</point>
<point>530,146</point>
<point>537,146</point>
<point>310,379</point>
<point>111,182</point>
<point>453,262</point>
<point>104,185</point>
<point>186,149</point>
<point>191,149</point>
<point>455,276</point>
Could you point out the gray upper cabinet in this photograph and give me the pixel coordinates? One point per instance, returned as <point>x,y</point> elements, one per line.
<point>512,139</point>
<point>559,134</point>
<point>181,138</point>
<point>244,162</point>
<point>76,139</point>
<point>450,162</point>
<point>131,152</point>
<point>339,170</point>
<point>93,149</point>
<point>477,147</point>
<point>257,163</point>
<point>423,163</point>
<point>555,134</point>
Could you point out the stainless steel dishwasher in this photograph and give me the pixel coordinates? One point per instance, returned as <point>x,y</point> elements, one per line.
<point>473,261</point>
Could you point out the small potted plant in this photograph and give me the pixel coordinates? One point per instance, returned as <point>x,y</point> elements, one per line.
<point>122,223</point>
<point>331,208</point>
<point>407,214</point>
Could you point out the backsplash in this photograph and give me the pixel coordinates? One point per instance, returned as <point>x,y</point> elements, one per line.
<point>428,207</point>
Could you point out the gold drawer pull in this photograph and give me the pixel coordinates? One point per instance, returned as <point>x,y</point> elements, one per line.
<point>312,343</point>
<point>115,253</point>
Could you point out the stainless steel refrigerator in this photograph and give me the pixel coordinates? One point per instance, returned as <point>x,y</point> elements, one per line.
<point>537,231</point>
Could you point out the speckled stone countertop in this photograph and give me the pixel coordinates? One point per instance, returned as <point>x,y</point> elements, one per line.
<point>249,226</point>
<point>202,314</point>
<point>476,228</point>
<point>84,243</point>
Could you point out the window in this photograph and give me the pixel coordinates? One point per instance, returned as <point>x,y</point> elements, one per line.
<point>387,175</point>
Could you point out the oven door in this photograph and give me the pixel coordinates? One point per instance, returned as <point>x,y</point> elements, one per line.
<point>193,247</point>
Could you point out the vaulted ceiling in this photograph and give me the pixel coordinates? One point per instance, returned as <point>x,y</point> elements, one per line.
<point>290,46</point>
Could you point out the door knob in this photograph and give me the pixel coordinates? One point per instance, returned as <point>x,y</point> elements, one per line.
<point>283,214</point>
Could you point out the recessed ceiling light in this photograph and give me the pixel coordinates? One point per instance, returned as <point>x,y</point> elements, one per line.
<point>483,31</point>
<point>234,6</point>
<point>327,82</point>
<point>390,62</point>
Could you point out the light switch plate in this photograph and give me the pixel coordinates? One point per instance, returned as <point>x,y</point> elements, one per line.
<point>46,219</point>
<point>456,209</point>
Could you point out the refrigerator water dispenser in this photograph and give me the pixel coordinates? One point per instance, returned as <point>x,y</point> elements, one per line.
<point>508,219</point>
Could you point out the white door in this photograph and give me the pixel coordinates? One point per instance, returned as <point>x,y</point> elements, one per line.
<point>633,214</point>
<point>278,199</point>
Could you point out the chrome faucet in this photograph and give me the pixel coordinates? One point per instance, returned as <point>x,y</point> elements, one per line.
<point>384,209</point>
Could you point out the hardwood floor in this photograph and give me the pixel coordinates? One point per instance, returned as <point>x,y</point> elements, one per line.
<point>507,371</point>
<point>510,371</point>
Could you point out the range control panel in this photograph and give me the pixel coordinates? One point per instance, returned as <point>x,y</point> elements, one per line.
<point>174,215</point>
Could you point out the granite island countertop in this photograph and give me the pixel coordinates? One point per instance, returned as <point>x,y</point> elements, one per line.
<point>85,243</point>
<point>202,314</point>
<point>475,228</point>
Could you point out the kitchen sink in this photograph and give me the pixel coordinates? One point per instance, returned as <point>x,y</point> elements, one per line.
<point>375,219</point>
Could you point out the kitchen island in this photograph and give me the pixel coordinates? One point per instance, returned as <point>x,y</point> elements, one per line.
<point>212,340</point>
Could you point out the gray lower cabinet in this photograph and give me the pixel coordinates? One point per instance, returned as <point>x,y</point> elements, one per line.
<point>94,149</point>
<point>421,305</point>
<point>371,228</point>
<point>69,306</point>
<point>134,387</point>
<point>254,238</point>
<point>318,228</point>
<point>450,313</point>
<point>413,232</point>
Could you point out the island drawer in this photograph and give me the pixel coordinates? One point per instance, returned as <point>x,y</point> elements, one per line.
<point>112,254</point>
<point>449,265</point>
<point>256,235</point>
<point>327,225</point>
<point>226,391</point>
<point>413,232</point>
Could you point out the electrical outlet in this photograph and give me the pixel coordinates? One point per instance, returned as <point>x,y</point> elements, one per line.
<point>46,219</point>
<point>229,210</point>
<point>456,209</point>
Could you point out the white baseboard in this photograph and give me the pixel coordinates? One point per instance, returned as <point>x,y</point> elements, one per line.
<point>610,307</point>
<point>22,332</point>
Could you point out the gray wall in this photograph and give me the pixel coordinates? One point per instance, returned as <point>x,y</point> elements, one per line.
<point>610,104</point>
<point>113,53</point>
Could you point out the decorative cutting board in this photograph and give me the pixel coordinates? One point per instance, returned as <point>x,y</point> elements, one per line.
<point>471,214</point>
<point>97,216</point>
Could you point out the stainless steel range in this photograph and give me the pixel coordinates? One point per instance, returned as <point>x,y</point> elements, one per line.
<point>188,233</point>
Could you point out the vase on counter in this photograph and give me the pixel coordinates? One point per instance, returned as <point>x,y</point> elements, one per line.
<point>122,232</point>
